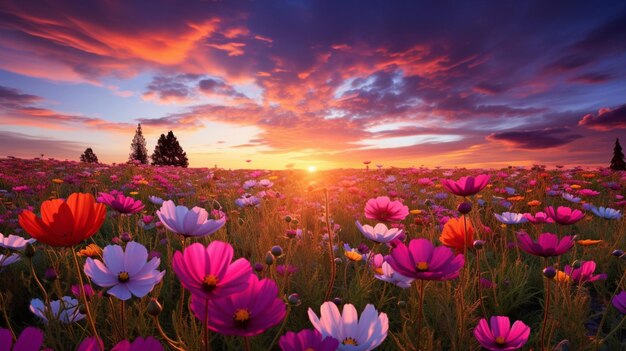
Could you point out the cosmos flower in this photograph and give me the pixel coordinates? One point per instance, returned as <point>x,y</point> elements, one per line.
<point>139,344</point>
<point>538,218</point>
<point>619,302</point>
<point>455,236</point>
<point>584,274</point>
<point>155,200</point>
<point>9,259</point>
<point>247,313</point>
<point>511,218</point>
<point>353,333</point>
<point>66,312</point>
<point>499,335</point>
<point>65,223</point>
<point>466,186</point>
<point>186,222</point>
<point>121,203</point>
<point>30,339</point>
<point>208,272</point>
<point>379,233</point>
<point>564,215</point>
<point>384,210</point>
<point>606,213</point>
<point>422,260</point>
<point>548,244</point>
<point>307,339</point>
<point>125,272</point>
<point>248,201</point>
<point>14,242</point>
<point>570,198</point>
<point>387,274</point>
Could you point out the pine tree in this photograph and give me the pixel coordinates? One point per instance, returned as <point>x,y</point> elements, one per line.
<point>138,151</point>
<point>617,162</point>
<point>168,152</point>
<point>88,156</point>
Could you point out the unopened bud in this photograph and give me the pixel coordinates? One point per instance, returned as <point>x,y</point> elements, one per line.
<point>287,219</point>
<point>338,260</point>
<point>337,301</point>
<point>51,274</point>
<point>465,207</point>
<point>269,259</point>
<point>29,250</point>
<point>125,237</point>
<point>294,299</point>
<point>576,264</point>
<point>479,244</point>
<point>617,253</point>
<point>258,267</point>
<point>549,272</point>
<point>277,251</point>
<point>402,305</point>
<point>154,307</point>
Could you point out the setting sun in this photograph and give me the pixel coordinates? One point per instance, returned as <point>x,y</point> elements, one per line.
<point>312,169</point>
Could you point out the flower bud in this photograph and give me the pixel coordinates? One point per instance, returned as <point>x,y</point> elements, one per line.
<point>337,301</point>
<point>29,250</point>
<point>287,218</point>
<point>295,221</point>
<point>125,237</point>
<point>479,244</point>
<point>465,207</point>
<point>617,253</point>
<point>402,304</point>
<point>277,251</point>
<point>258,267</point>
<point>82,309</point>
<point>294,299</point>
<point>576,264</point>
<point>549,272</point>
<point>338,261</point>
<point>269,259</point>
<point>154,307</point>
<point>51,274</point>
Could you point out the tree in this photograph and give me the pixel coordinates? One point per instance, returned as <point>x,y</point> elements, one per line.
<point>138,151</point>
<point>617,162</point>
<point>168,152</point>
<point>88,156</point>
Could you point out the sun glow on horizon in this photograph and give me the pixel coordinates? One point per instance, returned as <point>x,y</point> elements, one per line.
<point>312,169</point>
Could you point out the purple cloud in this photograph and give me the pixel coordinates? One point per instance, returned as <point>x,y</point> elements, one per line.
<point>535,139</point>
<point>607,119</point>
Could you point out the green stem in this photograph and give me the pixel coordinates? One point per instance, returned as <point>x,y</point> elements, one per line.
<point>333,269</point>
<point>280,330</point>
<point>420,310</point>
<point>92,324</point>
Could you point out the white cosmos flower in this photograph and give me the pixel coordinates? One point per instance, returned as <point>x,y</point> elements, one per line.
<point>14,242</point>
<point>354,334</point>
<point>390,276</point>
<point>64,310</point>
<point>379,233</point>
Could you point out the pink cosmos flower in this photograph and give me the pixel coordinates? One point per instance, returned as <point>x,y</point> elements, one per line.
<point>208,272</point>
<point>384,210</point>
<point>121,203</point>
<point>307,339</point>
<point>538,218</point>
<point>499,335</point>
<point>186,222</point>
<point>139,344</point>
<point>30,339</point>
<point>247,313</point>
<point>125,272</point>
<point>379,233</point>
<point>466,186</point>
<point>564,215</point>
<point>584,274</point>
<point>548,244</point>
<point>422,260</point>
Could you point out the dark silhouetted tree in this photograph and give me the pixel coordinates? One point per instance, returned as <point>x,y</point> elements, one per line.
<point>88,156</point>
<point>617,162</point>
<point>138,151</point>
<point>168,152</point>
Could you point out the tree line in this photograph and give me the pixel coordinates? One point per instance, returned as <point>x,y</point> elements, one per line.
<point>167,151</point>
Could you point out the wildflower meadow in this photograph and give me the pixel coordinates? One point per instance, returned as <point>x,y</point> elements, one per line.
<point>139,257</point>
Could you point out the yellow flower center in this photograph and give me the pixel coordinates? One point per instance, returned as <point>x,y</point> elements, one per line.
<point>241,317</point>
<point>123,277</point>
<point>422,266</point>
<point>209,283</point>
<point>349,341</point>
<point>378,270</point>
<point>500,340</point>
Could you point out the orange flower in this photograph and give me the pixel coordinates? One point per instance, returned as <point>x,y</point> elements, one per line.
<point>589,175</point>
<point>588,242</point>
<point>65,223</point>
<point>534,203</point>
<point>92,250</point>
<point>453,234</point>
<point>516,198</point>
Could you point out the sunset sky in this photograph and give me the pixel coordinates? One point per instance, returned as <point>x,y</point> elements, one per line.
<point>316,83</point>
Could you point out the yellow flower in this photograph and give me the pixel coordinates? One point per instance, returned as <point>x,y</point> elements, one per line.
<point>515,198</point>
<point>575,186</point>
<point>438,186</point>
<point>588,242</point>
<point>57,181</point>
<point>534,203</point>
<point>353,256</point>
<point>92,250</point>
<point>142,182</point>
<point>415,212</point>
<point>273,177</point>
<point>134,193</point>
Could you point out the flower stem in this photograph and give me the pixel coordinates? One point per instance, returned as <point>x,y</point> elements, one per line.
<point>171,342</point>
<point>280,330</point>
<point>207,336</point>
<point>92,324</point>
<point>331,254</point>
<point>420,310</point>
<point>545,315</point>
<point>246,343</point>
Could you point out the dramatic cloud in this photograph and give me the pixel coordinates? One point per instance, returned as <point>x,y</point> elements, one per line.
<point>607,119</point>
<point>535,139</point>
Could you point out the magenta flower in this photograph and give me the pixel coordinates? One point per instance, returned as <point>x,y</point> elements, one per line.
<point>121,203</point>
<point>548,244</point>
<point>538,218</point>
<point>422,260</point>
<point>385,210</point>
<point>307,339</point>
<point>208,272</point>
<point>584,274</point>
<point>564,215</point>
<point>499,335</point>
<point>186,222</point>
<point>619,302</point>
<point>30,339</point>
<point>248,313</point>
<point>466,186</point>
<point>139,344</point>
<point>125,272</point>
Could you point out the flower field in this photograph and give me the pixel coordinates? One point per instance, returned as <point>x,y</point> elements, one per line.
<point>133,257</point>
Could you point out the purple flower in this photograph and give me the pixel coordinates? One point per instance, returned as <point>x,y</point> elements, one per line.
<point>538,218</point>
<point>584,274</point>
<point>511,218</point>
<point>422,260</point>
<point>564,215</point>
<point>65,311</point>
<point>307,339</point>
<point>139,344</point>
<point>499,335</point>
<point>186,222</point>
<point>125,272</point>
<point>121,203</point>
<point>619,302</point>
<point>547,245</point>
<point>466,186</point>
<point>30,339</point>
